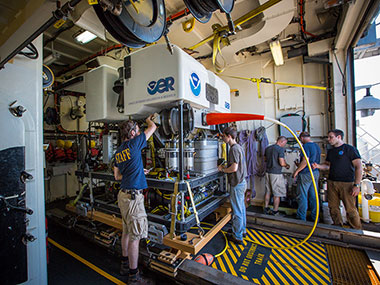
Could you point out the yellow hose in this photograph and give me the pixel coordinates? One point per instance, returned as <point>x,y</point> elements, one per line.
<point>315,191</point>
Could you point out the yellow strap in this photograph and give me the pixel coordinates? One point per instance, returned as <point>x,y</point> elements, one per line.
<point>215,51</point>
<point>239,21</point>
<point>173,210</point>
<point>261,80</point>
<point>92,2</point>
<point>134,5</point>
<point>201,231</point>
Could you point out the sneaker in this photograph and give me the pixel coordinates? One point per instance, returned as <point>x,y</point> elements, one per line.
<point>267,211</point>
<point>124,268</point>
<point>232,238</point>
<point>133,278</point>
<point>275,213</point>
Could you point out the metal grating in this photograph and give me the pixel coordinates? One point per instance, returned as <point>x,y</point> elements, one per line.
<point>306,264</point>
<point>350,266</point>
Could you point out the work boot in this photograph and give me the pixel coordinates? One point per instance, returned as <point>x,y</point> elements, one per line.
<point>133,278</point>
<point>124,268</point>
<point>231,237</point>
<point>231,232</point>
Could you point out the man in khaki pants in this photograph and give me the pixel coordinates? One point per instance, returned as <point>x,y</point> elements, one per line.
<point>345,173</point>
<point>129,169</point>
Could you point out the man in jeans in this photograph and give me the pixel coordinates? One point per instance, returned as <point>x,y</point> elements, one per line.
<point>236,171</point>
<point>274,180</point>
<point>345,174</point>
<point>305,189</point>
<point>129,169</point>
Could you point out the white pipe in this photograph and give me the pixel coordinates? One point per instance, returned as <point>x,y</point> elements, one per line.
<point>366,188</point>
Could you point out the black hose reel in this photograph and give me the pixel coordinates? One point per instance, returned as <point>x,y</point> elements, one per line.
<point>133,23</point>
<point>137,23</point>
<point>202,10</point>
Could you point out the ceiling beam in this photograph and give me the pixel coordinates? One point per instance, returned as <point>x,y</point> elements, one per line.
<point>70,44</point>
<point>63,54</point>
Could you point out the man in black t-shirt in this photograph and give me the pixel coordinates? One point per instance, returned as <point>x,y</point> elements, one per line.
<point>345,173</point>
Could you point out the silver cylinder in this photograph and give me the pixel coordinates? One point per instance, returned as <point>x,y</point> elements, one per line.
<point>206,155</point>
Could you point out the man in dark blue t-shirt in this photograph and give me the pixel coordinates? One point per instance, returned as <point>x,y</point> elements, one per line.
<point>305,189</point>
<point>129,169</point>
<point>345,173</point>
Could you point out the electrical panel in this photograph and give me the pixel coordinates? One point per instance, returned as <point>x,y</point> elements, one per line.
<point>294,122</point>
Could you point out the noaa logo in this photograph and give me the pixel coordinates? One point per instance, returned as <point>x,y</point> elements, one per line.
<point>340,152</point>
<point>161,86</point>
<point>227,105</point>
<point>195,84</point>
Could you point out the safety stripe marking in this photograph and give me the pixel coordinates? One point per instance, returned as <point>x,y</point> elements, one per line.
<point>87,263</point>
<point>317,268</point>
<point>270,275</point>
<point>281,255</point>
<point>231,253</point>
<point>229,264</point>
<point>297,264</point>
<point>244,277</point>
<point>306,264</point>
<point>275,264</point>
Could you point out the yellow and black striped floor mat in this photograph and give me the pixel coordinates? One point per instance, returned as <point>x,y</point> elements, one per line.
<point>306,264</point>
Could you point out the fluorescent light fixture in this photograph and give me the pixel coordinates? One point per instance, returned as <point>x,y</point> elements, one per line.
<point>84,37</point>
<point>275,48</point>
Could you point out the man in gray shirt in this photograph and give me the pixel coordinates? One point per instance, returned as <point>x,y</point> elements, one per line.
<point>236,171</point>
<point>275,183</point>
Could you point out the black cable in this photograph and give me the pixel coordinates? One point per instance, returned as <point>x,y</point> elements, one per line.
<point>344,89</point>
<point>33,54</point>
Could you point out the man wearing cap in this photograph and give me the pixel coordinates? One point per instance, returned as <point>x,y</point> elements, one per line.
<point>129,169</point>
<point>305,188</point>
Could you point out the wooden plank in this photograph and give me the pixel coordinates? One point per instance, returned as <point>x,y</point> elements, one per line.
<point>112,221</point>
<point>197,242</point>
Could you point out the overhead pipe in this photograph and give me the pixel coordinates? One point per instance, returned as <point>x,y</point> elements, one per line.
<point>57,15</point>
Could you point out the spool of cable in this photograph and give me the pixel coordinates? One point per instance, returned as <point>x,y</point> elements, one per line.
<point>134,24</point>
<point>203,9</point>
<point>47,76</point>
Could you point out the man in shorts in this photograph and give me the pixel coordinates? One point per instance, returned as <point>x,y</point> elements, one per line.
<point>130,170</point>
<point>274,180</point>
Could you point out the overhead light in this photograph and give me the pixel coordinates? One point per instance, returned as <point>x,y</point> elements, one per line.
<point>83,37</point>
<point>368,104</point>
<point>275,48</point>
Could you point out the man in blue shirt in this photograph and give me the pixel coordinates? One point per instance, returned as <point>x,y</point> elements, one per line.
<point>305,189</point>
<point>130,170</point>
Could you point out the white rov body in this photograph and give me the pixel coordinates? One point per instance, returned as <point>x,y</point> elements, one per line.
<point>154,80</point>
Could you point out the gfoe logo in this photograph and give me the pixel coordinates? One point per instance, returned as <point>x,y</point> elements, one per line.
<point>195,84</point>
<point>161,86</point>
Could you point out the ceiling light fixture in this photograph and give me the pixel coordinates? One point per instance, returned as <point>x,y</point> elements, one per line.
<point>275,48</point>
<point>83,37</point>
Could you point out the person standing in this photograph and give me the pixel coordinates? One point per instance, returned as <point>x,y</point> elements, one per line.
<point>237,172</point>
<point>275,182</point>
<point>345,173</point>
<point>305,188</point>
<point>129,169</point>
